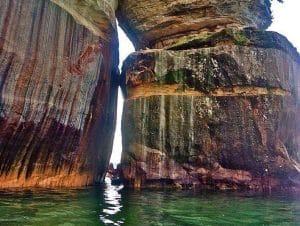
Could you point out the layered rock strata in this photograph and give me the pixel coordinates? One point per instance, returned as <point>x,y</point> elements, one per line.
<point>216,110</point>
<point>58,90</point>
<point>158,23</point>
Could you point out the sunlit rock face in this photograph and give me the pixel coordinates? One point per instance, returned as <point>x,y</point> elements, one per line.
<point>57,93</point>
<point>158,23</point>
<point>216,110</point>
<point>93,14</point>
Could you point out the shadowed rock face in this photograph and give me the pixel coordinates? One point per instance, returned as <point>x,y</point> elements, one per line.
<point>157,23</point>
<point>215,111</point>
<point>57,94</point>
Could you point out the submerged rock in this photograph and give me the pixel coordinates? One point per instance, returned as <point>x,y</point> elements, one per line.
<point>58,92</point>
<point>223,115</point>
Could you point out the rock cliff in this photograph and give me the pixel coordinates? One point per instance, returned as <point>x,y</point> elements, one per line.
<point>58,90</point>
<point>215,102</point>
<point>157,23</point>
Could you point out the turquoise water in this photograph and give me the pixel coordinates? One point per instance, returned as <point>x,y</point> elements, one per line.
<point>111,205</point>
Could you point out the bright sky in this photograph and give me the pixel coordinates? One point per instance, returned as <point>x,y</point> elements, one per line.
<point>286,21</point>
<point>126,48</point>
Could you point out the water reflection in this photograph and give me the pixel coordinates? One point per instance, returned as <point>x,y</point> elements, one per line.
<point>112,201</point>
<point>111,205</point>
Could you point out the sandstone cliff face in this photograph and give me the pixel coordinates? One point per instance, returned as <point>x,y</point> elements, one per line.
<point>157,23</point>
<point>217,109</point>
<point>93,14</point>
<point>57,93</point>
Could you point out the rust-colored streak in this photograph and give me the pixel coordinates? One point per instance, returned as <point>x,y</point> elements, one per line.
<point>49,119</point>
<point>88,56</point>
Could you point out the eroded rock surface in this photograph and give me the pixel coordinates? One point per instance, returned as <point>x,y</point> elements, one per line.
<point>57,93</point>
<point>158,23</point>
<point>93,14</point>
<point>212,108</point>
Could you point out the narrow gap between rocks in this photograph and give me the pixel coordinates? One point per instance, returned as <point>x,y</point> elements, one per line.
<point>125,48</point>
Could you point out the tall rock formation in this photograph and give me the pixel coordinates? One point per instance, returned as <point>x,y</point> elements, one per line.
<point>215,103</point>
<point>160,23</point>
<point>58,90</point>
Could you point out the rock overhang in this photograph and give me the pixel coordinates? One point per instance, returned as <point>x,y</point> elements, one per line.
<point>187,18</point>
<point>95,15</point>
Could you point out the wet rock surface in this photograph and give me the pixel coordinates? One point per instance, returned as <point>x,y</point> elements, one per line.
<point>58,94</point>
<point>214,109</point>
<point>223,142</point>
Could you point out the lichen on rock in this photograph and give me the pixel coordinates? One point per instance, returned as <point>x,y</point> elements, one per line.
<point>156,23</point>
<point>214,104</point>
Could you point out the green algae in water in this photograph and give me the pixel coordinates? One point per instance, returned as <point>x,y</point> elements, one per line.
<point>111,206</point>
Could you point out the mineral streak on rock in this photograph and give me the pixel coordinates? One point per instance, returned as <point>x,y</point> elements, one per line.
<point>158,23</point>
<point>223,115</point>
<point>223,142</point>
<point>93,14</point>
<point>57,92</point>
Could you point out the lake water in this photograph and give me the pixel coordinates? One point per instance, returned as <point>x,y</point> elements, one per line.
<point>112,205</point>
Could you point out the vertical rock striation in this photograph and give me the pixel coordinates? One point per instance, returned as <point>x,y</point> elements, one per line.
<point>215,103</point>
<point>58,78</point>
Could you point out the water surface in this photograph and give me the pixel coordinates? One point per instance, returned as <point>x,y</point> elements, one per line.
<point>112,205</point>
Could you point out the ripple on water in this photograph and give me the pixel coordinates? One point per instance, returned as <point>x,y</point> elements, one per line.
<point>110,205</point>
